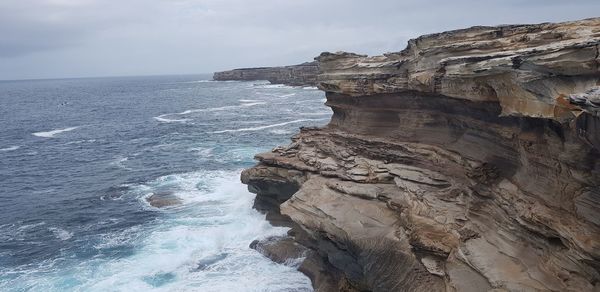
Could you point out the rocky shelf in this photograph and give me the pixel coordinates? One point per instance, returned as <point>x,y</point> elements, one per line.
<point>304,74</point>
<point>470,161</point>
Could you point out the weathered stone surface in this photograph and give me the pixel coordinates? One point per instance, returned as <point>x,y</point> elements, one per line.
<point>468,162</point>
<point>304,74</point>
<point>283,250</point>
<point>527,69</point>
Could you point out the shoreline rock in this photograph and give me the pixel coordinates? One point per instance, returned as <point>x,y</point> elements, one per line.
<point>470,161</point>
<point>163,200</point>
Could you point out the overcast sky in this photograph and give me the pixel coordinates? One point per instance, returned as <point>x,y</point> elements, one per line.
<point>82,38</point>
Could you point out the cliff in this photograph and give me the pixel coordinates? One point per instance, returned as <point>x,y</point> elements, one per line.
<point>304,74</point>
<point>470,161</point>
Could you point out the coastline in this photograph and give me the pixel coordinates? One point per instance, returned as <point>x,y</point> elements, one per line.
<point>304,74</point>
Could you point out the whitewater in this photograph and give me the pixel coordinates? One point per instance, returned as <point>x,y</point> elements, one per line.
<point>79,167</point>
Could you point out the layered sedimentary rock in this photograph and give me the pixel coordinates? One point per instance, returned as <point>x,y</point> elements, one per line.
<point>470,161</point>
<point>304,74</point>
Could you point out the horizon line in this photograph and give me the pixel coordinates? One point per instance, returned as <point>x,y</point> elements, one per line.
<point>104,76</point>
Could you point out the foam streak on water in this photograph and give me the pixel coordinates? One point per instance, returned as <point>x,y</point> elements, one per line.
<point>11,148</point>
<point>162,118</point>
<point>267,126</point>
<point>51,134</point>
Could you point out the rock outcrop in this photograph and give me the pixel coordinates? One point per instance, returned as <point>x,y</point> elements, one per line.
<point>163,199</point>
<point>304,74</point>
<point>470,161</point>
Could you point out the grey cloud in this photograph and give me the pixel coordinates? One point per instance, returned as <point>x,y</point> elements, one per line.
<point>55,38</point>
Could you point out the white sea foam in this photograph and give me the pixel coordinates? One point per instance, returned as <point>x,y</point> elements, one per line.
<point>61,233</point>
<point>273,86</point>
<point>112,198</point>
<point>248,100</point>
<point>81,141</point>
<point>275,95</point>
<point>11,148</point>
<point>202,246</point>
<point>30,226</point>
<point>125,237</point>
<point>266,126</point>
<point>197,81</point>
<point>203,151</point>
<point>295,262</point>
<point>228,107</point>
<point>313,101</point>
<point>310,88</point>
<point>201,81</point>
<point>120,162</point>
<point>315,114</point>
<point>51,134</point>
<point>162,118</point>
<point>251,122</point>
<point>280,132</point>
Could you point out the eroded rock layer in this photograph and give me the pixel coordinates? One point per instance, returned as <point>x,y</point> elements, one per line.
<point>470,161</point>
<point>304,74</point>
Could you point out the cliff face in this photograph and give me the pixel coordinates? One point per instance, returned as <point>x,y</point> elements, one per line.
<point>470,161</point>
<point>304,74</point>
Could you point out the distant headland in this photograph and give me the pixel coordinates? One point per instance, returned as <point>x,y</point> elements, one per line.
<point>304,74</point>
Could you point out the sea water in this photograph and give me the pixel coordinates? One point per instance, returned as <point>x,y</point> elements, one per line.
<point>79,158</point>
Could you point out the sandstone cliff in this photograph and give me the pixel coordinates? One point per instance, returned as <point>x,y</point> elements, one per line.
<point>304,74</point>
<point>470,161</point>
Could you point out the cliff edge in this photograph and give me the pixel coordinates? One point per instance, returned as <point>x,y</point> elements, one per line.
<point>304,74</point>
<point>470,161</point>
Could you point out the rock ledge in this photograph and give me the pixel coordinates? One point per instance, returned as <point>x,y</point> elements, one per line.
<point>470,161</point>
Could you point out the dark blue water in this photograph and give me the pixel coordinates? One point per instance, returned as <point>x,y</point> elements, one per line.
<point>79,157</point>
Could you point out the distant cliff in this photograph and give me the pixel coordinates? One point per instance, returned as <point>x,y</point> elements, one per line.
<point>304,74</point>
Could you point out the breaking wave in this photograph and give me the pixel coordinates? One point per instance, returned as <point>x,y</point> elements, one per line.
<point>11,148</point>
<point>266,126</point>
<point>61,233</point>
<point>51,134</point>
<point>163,117</point>
<point>201,246</point>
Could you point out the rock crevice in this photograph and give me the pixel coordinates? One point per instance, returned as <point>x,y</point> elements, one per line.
<point>470,161</point>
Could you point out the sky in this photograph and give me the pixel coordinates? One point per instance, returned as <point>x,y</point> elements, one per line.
<point>87,38</point>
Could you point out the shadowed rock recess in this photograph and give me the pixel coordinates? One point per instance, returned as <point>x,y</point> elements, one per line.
<point>470,161</point>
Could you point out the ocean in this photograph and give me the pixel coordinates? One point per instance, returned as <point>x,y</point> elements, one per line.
<point>80,157</point>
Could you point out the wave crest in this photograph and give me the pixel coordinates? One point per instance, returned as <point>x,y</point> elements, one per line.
<point>11,148</point>
<point>266,126</point>
<point>52,133</point>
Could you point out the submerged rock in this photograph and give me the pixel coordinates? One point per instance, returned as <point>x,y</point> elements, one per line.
<point>159,279</point>
<point>162,200</point>
<point>208,261</point>
<point>470,161</point>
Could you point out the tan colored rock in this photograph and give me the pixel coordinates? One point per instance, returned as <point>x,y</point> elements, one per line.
<point>304,74</point>
<point>527,69</point>
<point>470,161</point>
